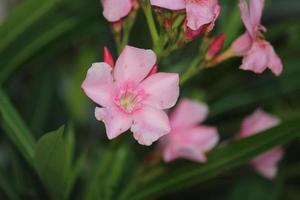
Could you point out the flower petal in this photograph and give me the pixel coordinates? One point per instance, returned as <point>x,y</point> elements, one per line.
<point>275,63</point>
<point>256,59</point>
<point>200,13</point>
<point>169,4</point>
<point>149,124</point>
<point>115,10</point>
<point>158,84</point>
<point>242,44</point>
<point>188,113</point>
<point>116,122</point>
<point>266,164</point>
<point>98,84</point>
<point>256,9</point>
<point>134,65</point>
<point>191,144</point>
<point>245,15</point>
<point>257,122</point>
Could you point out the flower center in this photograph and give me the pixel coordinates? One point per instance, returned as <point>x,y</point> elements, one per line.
<point>128,99</point>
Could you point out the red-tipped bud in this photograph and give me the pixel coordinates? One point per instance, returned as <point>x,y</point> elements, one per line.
<point>153,70</point>
<point>107,57</point>
<point>167,23</point>
<point>215,46</point>
<point>135,4</point>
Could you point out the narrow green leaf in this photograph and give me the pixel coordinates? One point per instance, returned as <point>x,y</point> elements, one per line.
<point>20,19</point>
<point>256,187</point>
<point>50,161</point>
<point>164,178</point>
<point>7,188</point>
<point>42,40</point>
<point>15,128</point>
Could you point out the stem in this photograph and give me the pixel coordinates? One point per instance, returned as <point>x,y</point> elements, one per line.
<point>222,57</point>
<point>198,62</point>
<point>150,21</point>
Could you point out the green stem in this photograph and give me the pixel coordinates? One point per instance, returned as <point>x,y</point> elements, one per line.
<point>150,21</point>
<point>198,63</point>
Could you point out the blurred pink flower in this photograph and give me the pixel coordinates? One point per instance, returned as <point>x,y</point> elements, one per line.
<point>266,163</point>
<point>130,98</point>
<point>258,53</point>
<point>115,10</point>
<point>187,139</point>
<point>198,12</point>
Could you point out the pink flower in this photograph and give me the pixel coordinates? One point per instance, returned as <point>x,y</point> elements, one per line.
<point>198,12</point>
<point>131,97</point>
<point>187,139</point>
<point>257,52</point>
<point>115,10</point>
<point>266,163</point>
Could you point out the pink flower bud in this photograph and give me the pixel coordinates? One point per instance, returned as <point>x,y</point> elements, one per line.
<point>107,57</point>
<point>215,46</point>
<point>167,23</point>
<point>153,70</point>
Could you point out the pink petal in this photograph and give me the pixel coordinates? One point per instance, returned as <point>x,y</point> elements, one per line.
<point>275,63</point>
<point>169,4</point>
<point>162,90</point>
<point>262,56</point>
<point>257,122</point>
<point>266,164</point>
<point>245,14</point>
<point>200,13</point>
<point>188,113</point>
<point>256,59</point>
<point>256,9</point>
<point>116,122</point>
<point>242,44</point>
<point>133,65</point>
<point>149,124</point>
<point>191,144</point>
<point>98,84</point>
<point>115,10</point>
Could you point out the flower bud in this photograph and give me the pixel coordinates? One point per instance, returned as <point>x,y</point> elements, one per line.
<point>215,46</point>
<point>153,70</point>
<point>107,57</point>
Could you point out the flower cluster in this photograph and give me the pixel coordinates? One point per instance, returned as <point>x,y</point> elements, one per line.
<point>133,95</point>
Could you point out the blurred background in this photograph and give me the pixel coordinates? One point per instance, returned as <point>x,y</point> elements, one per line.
<point>46,48</point>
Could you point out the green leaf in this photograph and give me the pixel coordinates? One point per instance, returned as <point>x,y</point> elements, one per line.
<point>48,36</point>
<point>20,19</point>
<point>50,161</point>
<point>256,187</point>
<point>7,188</point>
<point>15,128</point>
<point>165,178</point>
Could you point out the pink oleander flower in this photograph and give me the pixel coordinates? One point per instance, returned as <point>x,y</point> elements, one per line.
<point>115,10</point>
<point>258,53</point>
<point>132,96</point>
<point>199,13</point>
<point>266,163</point>
<point>187,138</point>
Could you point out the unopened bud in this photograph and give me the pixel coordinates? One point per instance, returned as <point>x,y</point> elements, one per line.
<point>167,23</point>
<point>153,70</point>
<point>215,46</point>
<point>107,57</point>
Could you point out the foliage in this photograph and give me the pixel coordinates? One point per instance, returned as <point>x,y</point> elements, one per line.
<point>45,49</point>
